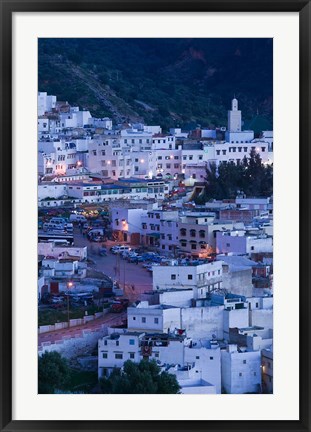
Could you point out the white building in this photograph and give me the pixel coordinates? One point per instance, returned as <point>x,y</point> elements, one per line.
<point>109,157</point>
<point>234,117</point>
<point>78,192</point>
<point>206,359</point>
<point>65,159</point>
<point>201,278</point>
<point>160,227</point>
<point>105,123</point>
<point>126,223</point>
<point>50,249</point>
<point>118,347</point>
<point>45,103</point>
<point>63,270</point>
<point>240,370</point>
<point>194,364</point>
<point>239,242</point>
<point>153,318</point>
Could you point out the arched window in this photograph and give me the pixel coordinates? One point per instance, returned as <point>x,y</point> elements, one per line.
<point>183,231</point>
<point>192,233</point>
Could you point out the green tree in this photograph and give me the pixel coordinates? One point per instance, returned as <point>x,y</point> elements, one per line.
<point>140,378</point>
<point>250,176</point>
<point>53,373</point>
<point>213,186</point>
<point>254,172</point>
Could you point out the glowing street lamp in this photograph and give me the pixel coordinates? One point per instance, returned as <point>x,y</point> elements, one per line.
<point>69,285</point>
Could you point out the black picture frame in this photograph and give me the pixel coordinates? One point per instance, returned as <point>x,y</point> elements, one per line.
<point>7,9</point>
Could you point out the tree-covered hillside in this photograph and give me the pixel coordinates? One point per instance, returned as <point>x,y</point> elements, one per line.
<point>160,81</point>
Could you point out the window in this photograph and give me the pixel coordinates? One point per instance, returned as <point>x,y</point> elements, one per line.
<point>263,149</point>
<point>105,342</point>
<point>118,356</point>
<point>156,320</point>
<point>143,319</point>
<point>173,277</point>
<point>134,318</point>
<point>117,343</point>
<point>105,355</point>
<point>193,246</point>
<point>190,277</point>
<point>197,357</point>
<point>132,341</point>
<point>255,373</point>
<point>211,358</point>
<point>244,361</point>
<point>175,157</point>
<point>252,247</point>
<point>132,355</point>
<point>240,374</point>
<point>257,305</point>
<point>228,244</point>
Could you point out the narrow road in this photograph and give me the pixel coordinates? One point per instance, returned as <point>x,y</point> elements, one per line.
<point>133,278</point>
<point>108,320</point>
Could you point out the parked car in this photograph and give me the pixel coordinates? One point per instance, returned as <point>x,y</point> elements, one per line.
<point>77,218</point>
<point>119,305</point>
<point>120,249</point>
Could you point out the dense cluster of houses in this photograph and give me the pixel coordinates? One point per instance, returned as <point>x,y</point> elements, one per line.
<point>75,147</point>
<point>206,323</point>
<point>209,317</point>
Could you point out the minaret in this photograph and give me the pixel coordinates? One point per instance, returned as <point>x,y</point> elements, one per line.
<point>234,117</point>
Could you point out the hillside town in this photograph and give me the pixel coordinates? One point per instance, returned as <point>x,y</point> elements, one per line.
<point>134,263</point>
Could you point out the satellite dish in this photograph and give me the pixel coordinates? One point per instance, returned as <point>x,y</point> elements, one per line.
<point>213,336</point>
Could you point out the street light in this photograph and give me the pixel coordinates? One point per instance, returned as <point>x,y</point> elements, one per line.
<point>69,285</point>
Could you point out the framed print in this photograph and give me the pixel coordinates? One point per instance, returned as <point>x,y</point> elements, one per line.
<point>155,215</point>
